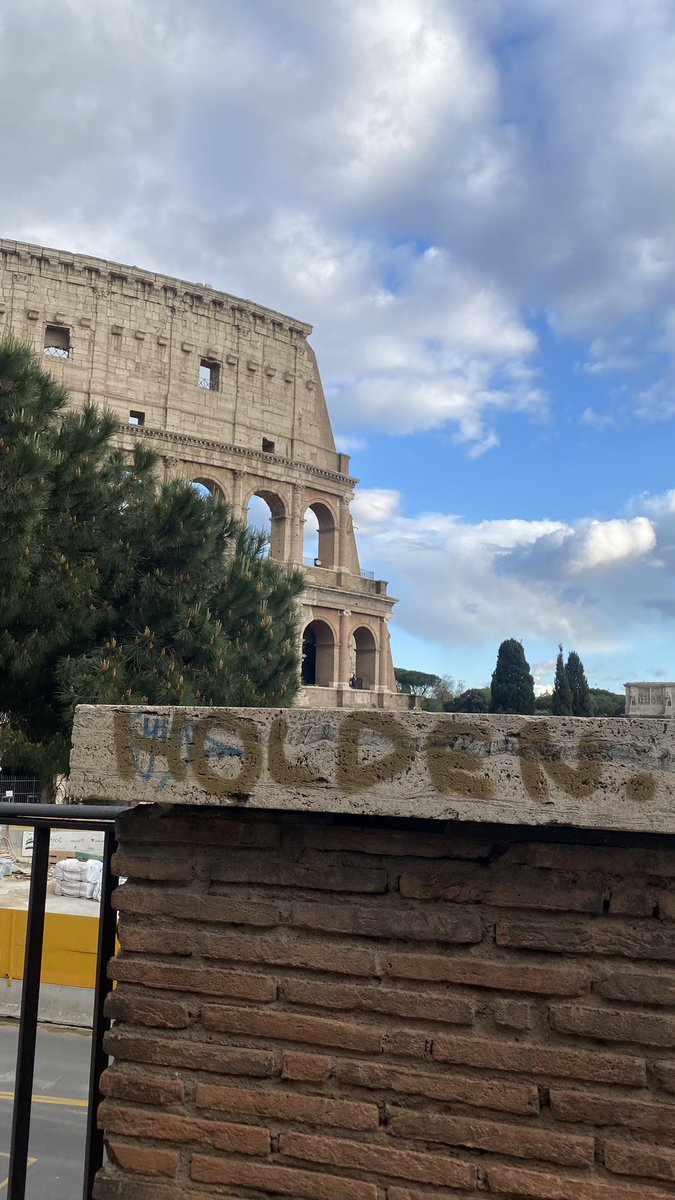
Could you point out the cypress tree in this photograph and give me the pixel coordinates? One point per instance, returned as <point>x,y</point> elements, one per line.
<point>512,689</point>
<point>116,588</point>
<point>561,702</point>
<point>581,696</point>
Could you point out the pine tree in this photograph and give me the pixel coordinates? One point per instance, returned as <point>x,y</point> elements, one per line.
<point>561,702</point>
<point>512,687</point>
<point>581,696</point>
<point>115,588</point>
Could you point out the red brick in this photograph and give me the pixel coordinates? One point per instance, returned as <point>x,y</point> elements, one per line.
<point>137,936</point>
<point>401,843</point>
<point>617,860</point>
<point>544,1062</point>
<point>407,1193</point>
<point>205,829</point>
<point>207,981</point>
<point>404,1043</point>
<point>288,1106</point>
<point>167,1127</point>
<point>268,1177</point>
<point>665,1074</point>
<point>171,866</point>
<point>638,988</point>
<point>140,1088</point>
<point>613,1025</point>
<point>193,906</point>
<point>481,1093</point>
<point>424,1006</point>
<point>388,921</point>
<point>519,1141</point>
<point>504,886</point>
<point>290,1027</point>
<point>635,1158</point>
<point>512,1014</point>
<point>517,1181</point>
<point>287,951</point>
<point>143,1160</point>
<point>592,1109</point>
<point>610,937</point>
<point>380,1159</point>
<point>474,972</point>
<point>633,898</point>
<point>123,1188</point>
<point>160,1014</point>
<point>193,1055</point>
<point>305,1068</point>
<point>273,871</point>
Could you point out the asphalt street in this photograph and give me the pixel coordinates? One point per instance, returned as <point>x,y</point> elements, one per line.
<point>59,1111</point>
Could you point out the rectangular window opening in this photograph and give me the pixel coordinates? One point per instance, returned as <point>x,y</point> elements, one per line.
<point>268,446</point>
<point>57,341</point>
<point>209,374</point>
<point>136,418</point>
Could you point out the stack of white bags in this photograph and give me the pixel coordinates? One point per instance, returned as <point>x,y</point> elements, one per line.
<point>80,879</point>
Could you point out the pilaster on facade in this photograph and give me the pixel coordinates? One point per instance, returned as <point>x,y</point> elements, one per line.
<point>230,395</point>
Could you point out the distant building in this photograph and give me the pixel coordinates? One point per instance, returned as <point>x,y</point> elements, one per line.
<point>649,699</point>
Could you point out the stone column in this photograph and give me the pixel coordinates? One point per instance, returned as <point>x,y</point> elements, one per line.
<point>297,522</point>
<point>238,495</point>
<point>343,650</point>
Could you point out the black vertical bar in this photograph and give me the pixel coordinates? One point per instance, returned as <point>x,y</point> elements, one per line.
<point>107,930</point>
<point>30,999</point>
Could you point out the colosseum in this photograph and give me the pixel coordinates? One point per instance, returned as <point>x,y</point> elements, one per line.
<point>229,394</point>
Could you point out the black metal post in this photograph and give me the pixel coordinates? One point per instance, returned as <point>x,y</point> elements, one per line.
<point>99,1059</point>
<point>30,999</point>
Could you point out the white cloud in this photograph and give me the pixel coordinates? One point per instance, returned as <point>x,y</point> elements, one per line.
<point>468,584</point>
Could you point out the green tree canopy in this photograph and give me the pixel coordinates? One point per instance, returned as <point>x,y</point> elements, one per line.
<point>607,704</point>
<point>115,587</point>
<point>512,687</point>
<point>416,683</point>
<point>561,702</point>
<point>581,697</point>
<point>473,700</point>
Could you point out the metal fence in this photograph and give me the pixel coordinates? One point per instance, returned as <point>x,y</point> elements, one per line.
<point>43,818</point>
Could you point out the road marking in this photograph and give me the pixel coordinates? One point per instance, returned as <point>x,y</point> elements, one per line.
<point>65,1101</point>
<point>4,1154</point>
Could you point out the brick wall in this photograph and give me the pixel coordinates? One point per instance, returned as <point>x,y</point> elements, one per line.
<point>352,1009</point>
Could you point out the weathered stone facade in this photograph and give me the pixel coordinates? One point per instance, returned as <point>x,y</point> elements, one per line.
<point>229,394</point>
<point>649,699</point>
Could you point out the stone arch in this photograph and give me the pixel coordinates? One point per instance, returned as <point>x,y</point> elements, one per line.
<point>276,525</point>
<point>318,655</point>
<point>207,487</point>
<point>320,534</point>
<point>364,653</point>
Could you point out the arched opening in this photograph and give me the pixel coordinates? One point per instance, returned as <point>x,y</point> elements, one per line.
<point>318,655</point>
<point>266,513</point>
<point>319,537</point>
<point>364,659</point>
<point>206,487</point>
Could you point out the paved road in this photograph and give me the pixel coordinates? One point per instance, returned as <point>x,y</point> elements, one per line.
<point>59,1112</point>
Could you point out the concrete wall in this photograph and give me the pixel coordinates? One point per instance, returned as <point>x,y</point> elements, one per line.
<point>411,958</point>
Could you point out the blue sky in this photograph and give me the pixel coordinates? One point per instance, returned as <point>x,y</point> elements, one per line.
<point>472,202</point>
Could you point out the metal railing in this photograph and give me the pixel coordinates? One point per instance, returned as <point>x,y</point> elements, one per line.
<point>43,818</point>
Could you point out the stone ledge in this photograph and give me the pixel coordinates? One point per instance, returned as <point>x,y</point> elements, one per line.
<point>604,774</point>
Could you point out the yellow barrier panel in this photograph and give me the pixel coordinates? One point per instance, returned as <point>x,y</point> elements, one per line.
<point>68,953</point>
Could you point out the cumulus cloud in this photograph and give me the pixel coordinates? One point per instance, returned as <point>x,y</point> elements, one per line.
<point>464,583</point>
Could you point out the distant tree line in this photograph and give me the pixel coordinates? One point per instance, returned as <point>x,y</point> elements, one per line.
<point>512,689</point>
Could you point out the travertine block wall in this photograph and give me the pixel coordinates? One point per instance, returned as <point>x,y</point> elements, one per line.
<point>367,1008</point>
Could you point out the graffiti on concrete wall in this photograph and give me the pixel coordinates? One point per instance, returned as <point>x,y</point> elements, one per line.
<point>227,753</point>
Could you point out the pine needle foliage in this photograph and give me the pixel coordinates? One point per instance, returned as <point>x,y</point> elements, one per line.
<point>512,688</point>
<point>561,701</point>
<point>579,689</point>
<point>116,588</point>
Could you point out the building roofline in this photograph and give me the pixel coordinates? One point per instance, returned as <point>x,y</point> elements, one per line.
<point>71,260</point>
